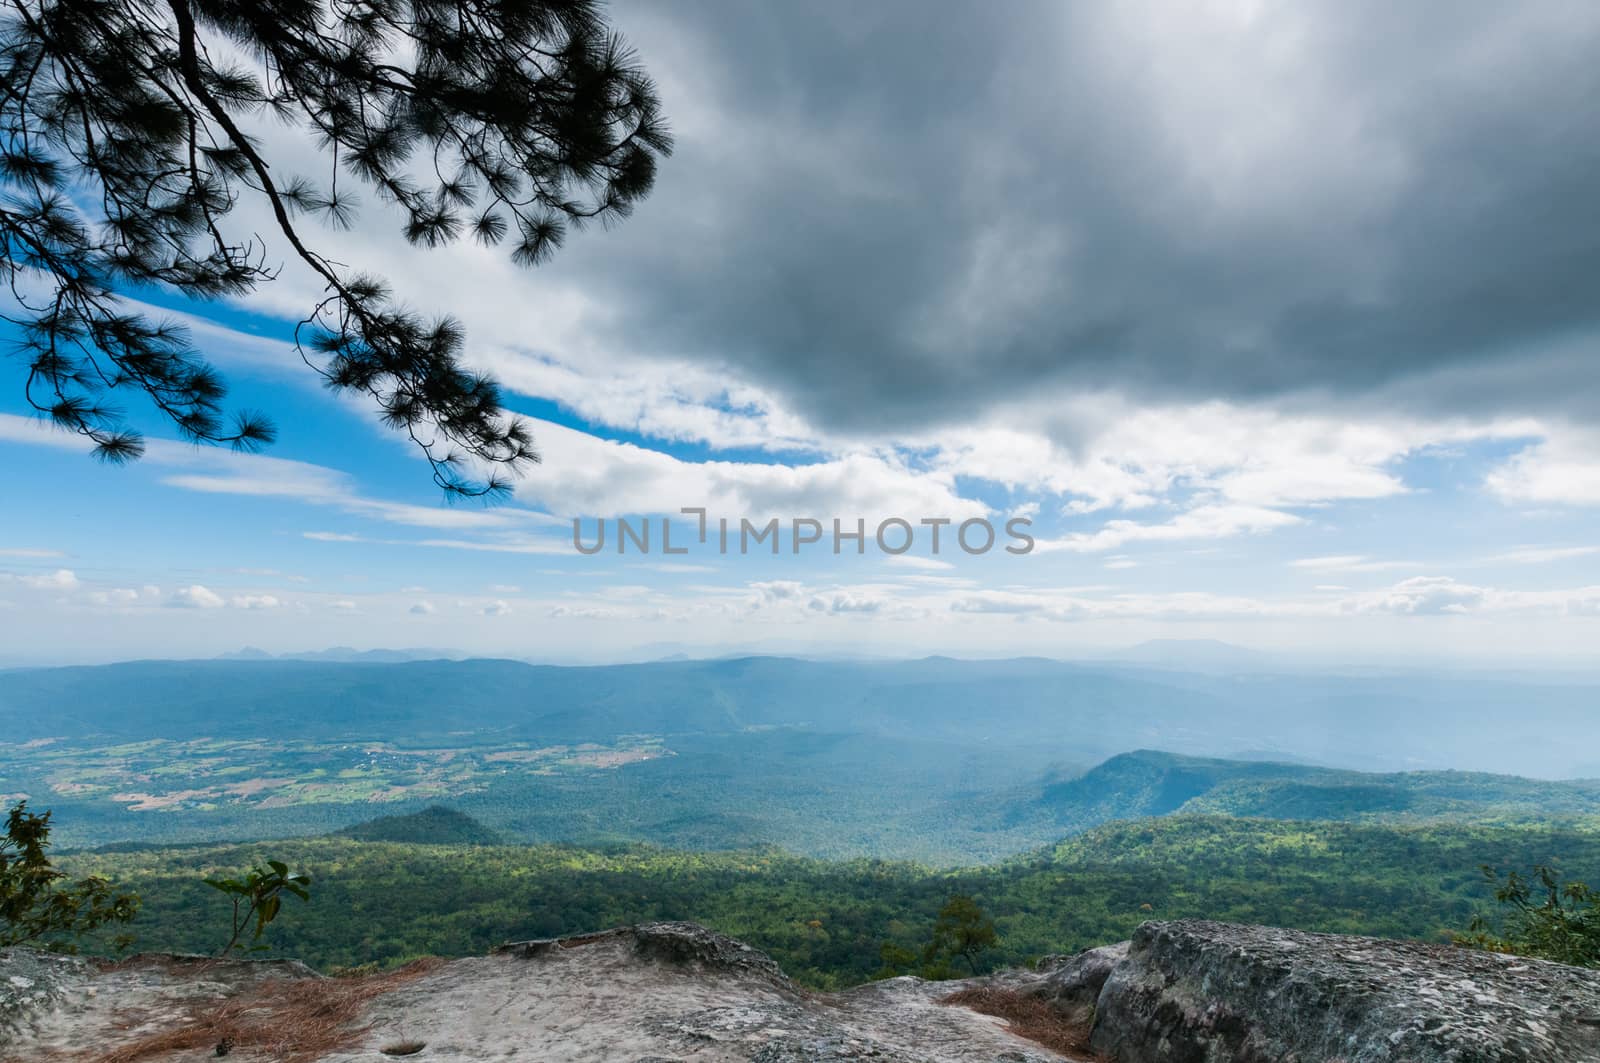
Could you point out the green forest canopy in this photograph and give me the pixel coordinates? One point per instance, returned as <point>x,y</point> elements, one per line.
<point>826,922</point>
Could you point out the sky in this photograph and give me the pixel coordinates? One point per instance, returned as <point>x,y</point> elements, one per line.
<point>1279,323</point>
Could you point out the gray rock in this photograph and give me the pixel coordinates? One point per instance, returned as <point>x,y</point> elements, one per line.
<point>1201,992</point>
<point>32,982</point>
<point>1072,984</point>
<point>691,943</point>
<point>60,1008</point>
<point>688,944</point>
<point>655,993</point>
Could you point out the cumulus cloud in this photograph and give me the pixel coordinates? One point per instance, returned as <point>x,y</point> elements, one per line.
<point>1425,595</point>
<point>586,475</point>
<point>781,590</point>
<point>845,602</point>
<point>497,608</point>
<point>195,597</point>
<point>254,601</point>
<point>1563,470</point>
<point>120,596</point>
<point>422,609</point>
<point>62,579</point>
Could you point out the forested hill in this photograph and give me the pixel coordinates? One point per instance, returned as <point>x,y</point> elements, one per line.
<point>434,825</point>
<point>1152,783</point>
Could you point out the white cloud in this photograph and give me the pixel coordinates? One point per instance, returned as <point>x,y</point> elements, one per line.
<point>1423,595</point>
<point>1538,555</point>
<point>254,601</point>
<point>520,544</point>
<point>25,552</point>
<point>1216,521</point>
<point>500,542</point>
<point>585,475</point>
<point>221,471</point>
<point>845,602</point>
<point>260,476</point>
<point>1444,595</point>
<point>39,432</point>
<point>1563,469</point>
<point>927,564</point>
<point>195,597</point>
<point>672,566</point>
<point>497,608</point>
<point>116,596</point>
<point>778,590</point>
<point>62,579</point>
<point>422,609</point>
<point>1104,453</point>
<point>1349,563</point>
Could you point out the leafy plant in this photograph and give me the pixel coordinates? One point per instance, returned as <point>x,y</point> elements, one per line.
<point>258,897</point>
<point>37,901</point>
<point>1547,919</point>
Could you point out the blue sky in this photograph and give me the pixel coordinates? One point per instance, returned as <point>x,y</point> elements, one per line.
<point>778,333</point>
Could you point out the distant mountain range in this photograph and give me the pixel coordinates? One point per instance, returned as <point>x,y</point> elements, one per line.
<point>1084,712</point>
<point>345,655</point>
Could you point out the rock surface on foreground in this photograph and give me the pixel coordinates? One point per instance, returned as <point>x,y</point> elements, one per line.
<point>649,994</point>
<point>1180,992</point>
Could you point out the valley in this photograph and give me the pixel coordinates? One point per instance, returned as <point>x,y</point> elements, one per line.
<point>943,762</point>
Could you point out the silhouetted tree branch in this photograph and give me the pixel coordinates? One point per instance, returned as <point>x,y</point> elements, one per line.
<point>125,147</point>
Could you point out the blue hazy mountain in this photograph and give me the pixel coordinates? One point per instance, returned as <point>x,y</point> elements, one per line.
<point>1083,712</point>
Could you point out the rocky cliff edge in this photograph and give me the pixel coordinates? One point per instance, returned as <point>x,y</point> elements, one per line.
<point>1179,992</point>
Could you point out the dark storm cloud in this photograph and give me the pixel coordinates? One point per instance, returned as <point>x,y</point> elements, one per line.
<point>895,215</point>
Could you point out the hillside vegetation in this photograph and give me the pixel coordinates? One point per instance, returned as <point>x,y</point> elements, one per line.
<point>825,922</point>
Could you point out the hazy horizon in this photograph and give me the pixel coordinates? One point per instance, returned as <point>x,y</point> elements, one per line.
<point>1177,654</point>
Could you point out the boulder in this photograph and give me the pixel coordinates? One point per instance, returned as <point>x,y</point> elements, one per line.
<point>1201,992</point>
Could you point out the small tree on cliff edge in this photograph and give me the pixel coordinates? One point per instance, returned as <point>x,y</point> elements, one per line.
<point>257,898</point>
<point>40,903</point>
<point>126,140</point>
<point>963,932</point>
